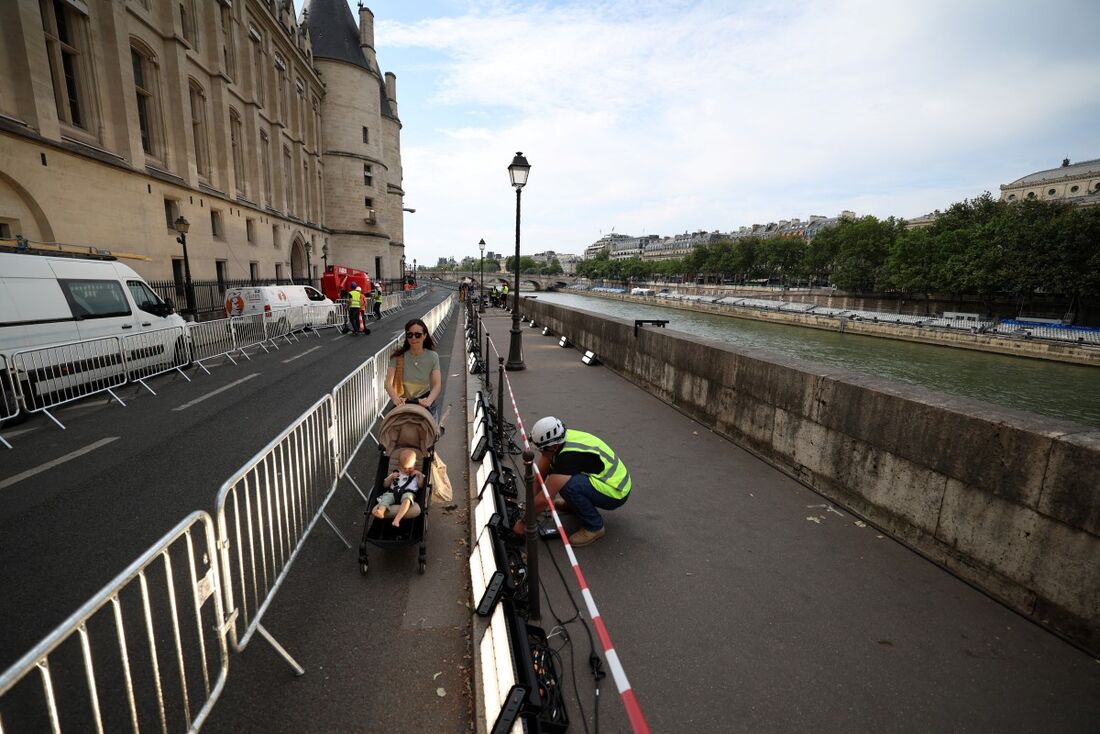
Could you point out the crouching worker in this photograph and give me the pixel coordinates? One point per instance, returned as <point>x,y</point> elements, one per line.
<point>399,499</point>
<point>582,475</point>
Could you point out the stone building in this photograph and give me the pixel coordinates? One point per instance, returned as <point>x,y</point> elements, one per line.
<point>1077,183</point>
<point>276,137</point>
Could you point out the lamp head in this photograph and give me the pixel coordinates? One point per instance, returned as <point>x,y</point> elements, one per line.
<point>481,245</point>
<point>519,170</point>
<point>181,224</point>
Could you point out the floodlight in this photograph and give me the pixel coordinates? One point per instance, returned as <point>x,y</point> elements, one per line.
<point>590,358</point>
<point>564,342</point>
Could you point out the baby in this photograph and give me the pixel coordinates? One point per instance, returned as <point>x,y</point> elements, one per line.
<point>404,483</point>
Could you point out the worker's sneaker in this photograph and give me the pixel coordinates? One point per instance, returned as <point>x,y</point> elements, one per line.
<point>562,506</point>
<point>584,536</point>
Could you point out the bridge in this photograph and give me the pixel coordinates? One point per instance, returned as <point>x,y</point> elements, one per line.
<point>535,282</point>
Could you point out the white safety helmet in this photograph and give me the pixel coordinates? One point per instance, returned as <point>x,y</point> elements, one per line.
<point>547,432</point>
<point>357,287</point>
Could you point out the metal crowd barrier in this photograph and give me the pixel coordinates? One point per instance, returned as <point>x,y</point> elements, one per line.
<point>46,377</point>
<point>159,627</point>
<point>156,352</point>
<point>9,398</point>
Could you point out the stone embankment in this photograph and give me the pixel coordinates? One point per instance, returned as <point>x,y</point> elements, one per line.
<point>1033,348</point>
<point>1008,501</point>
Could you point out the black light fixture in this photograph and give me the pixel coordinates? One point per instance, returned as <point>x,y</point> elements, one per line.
<point>518,172</point>
<point>481,293</point>
<point>182,228</point>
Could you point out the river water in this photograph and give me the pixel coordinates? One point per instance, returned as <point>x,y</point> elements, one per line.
<point>1049,388</point>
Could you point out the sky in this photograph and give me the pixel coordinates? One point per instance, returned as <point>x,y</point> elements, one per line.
<point>645,117</point>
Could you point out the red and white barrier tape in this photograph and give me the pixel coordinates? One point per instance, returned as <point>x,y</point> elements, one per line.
<point>630,702</point>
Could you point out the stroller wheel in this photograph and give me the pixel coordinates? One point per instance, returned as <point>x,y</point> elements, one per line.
<point>421,566</point>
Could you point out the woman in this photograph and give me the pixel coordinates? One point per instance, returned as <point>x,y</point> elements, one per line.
<point>421,380</point>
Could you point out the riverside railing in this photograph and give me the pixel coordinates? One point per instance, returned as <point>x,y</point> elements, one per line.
<point>158,627</point>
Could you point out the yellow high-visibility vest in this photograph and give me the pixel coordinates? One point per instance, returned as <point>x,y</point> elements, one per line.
<point>355,299</point>
<point>614,480</point>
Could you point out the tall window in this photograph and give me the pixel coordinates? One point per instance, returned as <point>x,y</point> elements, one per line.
<point>229,42</point>
<point>265,164</point>
<point>198,130</point>
<point>257,65</point>
<point>148,103</point>
<point>66,33</point>
<point>366,134</point>
<point>288,180</point>
<point>316,126</point>
<point>307,191</point>
<point>280,89</point>
<point>368,176</point>
<point>301,109</point>
<point>235,132</point>
<point>188,23</point>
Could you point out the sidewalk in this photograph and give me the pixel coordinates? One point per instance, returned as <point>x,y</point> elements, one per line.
<point>738,600</point>
<point>377,649</point>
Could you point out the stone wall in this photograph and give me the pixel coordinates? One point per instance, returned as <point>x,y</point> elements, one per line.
<point>1008,501</point>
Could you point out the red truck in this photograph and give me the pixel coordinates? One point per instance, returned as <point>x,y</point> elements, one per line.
<point>337,280</point>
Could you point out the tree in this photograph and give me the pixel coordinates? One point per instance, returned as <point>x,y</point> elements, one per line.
<point>864,245</point>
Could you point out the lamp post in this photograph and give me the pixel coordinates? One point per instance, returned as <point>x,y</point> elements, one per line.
<point>309,263</point>
<point>518,172</point>
<point>182,226</point>
<point>481,293</point>
<point>414,271</point>
<point>402,272</point>
<point>324,254</point>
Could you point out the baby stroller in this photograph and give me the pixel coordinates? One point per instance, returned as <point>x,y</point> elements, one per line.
<point>412,427</point>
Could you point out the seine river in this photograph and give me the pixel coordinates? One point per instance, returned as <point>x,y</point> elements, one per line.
<point>1049,388</point>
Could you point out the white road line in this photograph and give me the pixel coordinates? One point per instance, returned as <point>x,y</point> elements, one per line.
<point>51,464</point>
<point>230,386</point>
<point>19,432</point>
<point>302,354</point>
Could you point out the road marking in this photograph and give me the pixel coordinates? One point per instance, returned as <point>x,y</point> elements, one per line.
<point>302,354</point>
<point>85,406</point>
<point>20,431</point>
<point>220,390</point>
<point>51,464</point>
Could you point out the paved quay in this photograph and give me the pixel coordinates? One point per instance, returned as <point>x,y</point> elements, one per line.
<point>739,600</point>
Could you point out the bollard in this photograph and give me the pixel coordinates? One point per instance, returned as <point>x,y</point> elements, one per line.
<point>500,404</point>
<point>532,537</point>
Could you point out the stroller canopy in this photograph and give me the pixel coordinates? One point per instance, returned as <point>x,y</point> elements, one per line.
<point>408,426</point>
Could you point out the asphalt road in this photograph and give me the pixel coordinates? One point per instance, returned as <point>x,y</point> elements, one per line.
<point>68,528</point>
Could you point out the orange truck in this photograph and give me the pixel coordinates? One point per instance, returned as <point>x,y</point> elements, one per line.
<point>338,279</point>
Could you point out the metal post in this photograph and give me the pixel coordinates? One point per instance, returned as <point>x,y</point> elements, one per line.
<point>532,538</point>
<point>485,366</point>
<point>500,402</point>
<point>515,345</point>
<point>481,293</point>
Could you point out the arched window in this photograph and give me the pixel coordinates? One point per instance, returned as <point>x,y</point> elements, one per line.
<point>66,31</point>
<point>1051,192</point>
<point>236,131</point>
<point>1031,194</point>
<point>148,99</point>
<point>198,129</point>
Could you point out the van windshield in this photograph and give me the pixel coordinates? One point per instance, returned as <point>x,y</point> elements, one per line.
<point>314,295</point>
<point>95,299</point>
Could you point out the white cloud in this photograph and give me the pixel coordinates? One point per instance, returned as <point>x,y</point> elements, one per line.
<point>635,116</point>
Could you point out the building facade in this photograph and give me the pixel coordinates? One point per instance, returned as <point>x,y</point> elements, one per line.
<point>119,116</point>
<point>1077,183</point>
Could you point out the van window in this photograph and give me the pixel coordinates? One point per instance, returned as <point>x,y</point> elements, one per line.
<point>314,295</point>
<point>95,299</point>
<point>143,296</point>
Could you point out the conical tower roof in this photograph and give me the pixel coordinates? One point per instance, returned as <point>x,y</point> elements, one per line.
<point>334,33</point>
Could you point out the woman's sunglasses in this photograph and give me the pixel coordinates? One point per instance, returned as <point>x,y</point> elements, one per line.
<point>413,334</point>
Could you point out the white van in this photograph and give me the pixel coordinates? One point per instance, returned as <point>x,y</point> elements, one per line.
<point>49,299</point>
<point>267,298</point>
<point>642,292</point>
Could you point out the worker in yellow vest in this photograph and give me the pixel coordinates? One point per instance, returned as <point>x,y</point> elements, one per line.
<point>582,474</point>
<point>355,307</point>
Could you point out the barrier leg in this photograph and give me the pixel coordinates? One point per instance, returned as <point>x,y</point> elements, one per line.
<point>4,441</point>
<point>337,531</point>
<point>183,374</point>
<point>200,364</point>
<point>298,669</point>
<point>142,383</point>
<point>55,420</point>
<point>356,487</point>
<point>116,397</point>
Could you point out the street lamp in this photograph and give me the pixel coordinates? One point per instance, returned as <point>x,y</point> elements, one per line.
<point>481,293</point>
<point>402,272</point>
<point>182,226</point>
<point>518,172</point>
<point>309,263</point>
<point>324,254</point>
